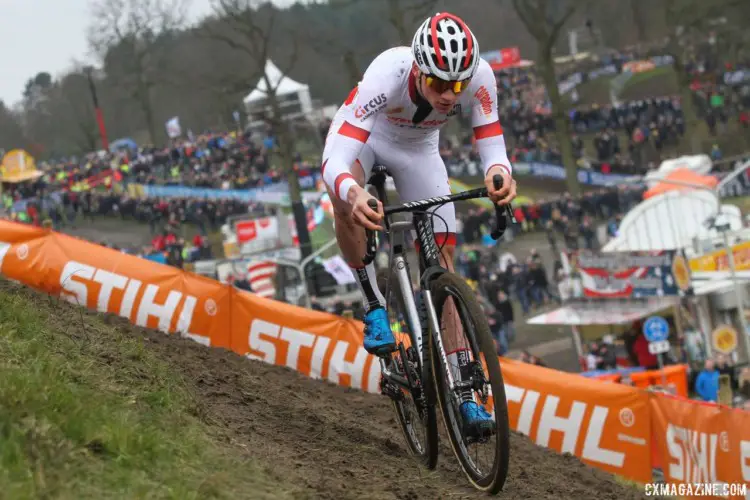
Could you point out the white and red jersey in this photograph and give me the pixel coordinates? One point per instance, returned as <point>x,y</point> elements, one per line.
<point>381,109</point>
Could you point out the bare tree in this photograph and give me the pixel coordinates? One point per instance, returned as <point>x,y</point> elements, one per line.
<point>250,27</point>
<point>126,34</point>
<point>544,20</point>
<point>11,130</point>
<point>75,111</point>
<point>639,18</point>
<point>403,13</point>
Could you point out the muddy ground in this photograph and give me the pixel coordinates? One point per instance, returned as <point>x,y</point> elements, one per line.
<point>336,443</point>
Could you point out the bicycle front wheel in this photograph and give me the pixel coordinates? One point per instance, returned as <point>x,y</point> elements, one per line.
<point>463,326</point>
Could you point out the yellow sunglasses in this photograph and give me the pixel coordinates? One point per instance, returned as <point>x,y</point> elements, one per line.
<point>440,86</point>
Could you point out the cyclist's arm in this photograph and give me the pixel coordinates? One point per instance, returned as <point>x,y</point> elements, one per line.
<point>485,120</point>
<point>370,98</point>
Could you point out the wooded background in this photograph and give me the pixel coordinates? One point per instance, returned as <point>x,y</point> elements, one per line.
<point>152,66</point>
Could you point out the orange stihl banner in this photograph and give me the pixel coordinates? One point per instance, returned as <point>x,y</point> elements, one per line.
<point>702,443</point>
<point>607,425</point>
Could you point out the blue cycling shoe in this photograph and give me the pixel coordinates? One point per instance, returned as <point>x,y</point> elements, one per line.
<point>379,338</point>
<point>477,422</point>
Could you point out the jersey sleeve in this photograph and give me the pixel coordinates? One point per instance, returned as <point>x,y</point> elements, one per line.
<point>361,111</point>
<point>488,131</point>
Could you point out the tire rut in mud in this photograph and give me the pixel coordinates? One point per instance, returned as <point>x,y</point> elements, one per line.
<point>333,442</point>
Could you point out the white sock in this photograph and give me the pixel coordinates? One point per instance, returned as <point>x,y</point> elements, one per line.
<point>368,286</point>
<point>458,362</point>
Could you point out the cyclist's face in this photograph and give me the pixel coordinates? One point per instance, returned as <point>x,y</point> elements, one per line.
<point>441,97</point>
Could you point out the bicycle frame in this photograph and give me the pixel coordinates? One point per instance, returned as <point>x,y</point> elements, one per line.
<point>399,266</point>
<point>423,321</point>
<point>412,368</point>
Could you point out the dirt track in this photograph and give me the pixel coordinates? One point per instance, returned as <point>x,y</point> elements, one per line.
<point>336,443</point>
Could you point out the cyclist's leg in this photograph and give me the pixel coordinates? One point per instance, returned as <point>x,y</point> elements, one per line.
<point>419,175</point>
<point>351,239</point>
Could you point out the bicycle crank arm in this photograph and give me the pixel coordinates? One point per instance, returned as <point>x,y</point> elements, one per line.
<point>393,377</point>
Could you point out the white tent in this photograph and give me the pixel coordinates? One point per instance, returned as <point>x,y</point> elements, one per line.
<point>671,221</point>
<point>284,86</point>
<point>700,164</point>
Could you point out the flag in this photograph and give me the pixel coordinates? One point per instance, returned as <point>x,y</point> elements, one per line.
<point>262,278</point>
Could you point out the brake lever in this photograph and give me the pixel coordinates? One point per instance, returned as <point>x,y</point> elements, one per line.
<point>502,214</point>
<point>372,248</point>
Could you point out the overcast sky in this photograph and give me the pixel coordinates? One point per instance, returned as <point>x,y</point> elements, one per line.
<point>49,35</point>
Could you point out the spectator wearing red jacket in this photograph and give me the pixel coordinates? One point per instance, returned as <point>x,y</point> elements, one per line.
<point>645,358</point>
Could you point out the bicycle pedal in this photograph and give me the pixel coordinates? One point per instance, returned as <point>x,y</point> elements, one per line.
<point>482,437</point>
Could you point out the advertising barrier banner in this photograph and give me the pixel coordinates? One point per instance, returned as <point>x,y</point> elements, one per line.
<point>702,443</point>
<point>607,425</point>
<point>541,169</point>
<point>502,58</point>
<point>277,194</point>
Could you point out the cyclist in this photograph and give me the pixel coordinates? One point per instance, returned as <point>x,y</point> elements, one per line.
<point>393,118</point>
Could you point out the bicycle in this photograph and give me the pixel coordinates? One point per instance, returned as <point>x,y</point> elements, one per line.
<point>418,370</point>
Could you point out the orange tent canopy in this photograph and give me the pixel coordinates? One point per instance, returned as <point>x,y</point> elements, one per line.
<point>681,175</point>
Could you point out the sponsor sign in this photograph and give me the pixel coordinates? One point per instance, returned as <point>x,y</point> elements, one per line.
<point>502,58</point>
<point>719,261</point>
<point>619,275</point>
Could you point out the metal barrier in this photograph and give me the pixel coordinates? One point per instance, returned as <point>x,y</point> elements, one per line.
<point>727,187</point>
<point>300,268</point>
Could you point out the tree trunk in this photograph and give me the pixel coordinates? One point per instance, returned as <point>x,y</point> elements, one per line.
<point>90,138</point>
<point>562,124</point>
<point>396,16</point>
<point>692,122</point>
<point>148,110</point>
<point>635,7</point>
<point>286,150</point>
<point>143,96</point>
<point>352,69</point>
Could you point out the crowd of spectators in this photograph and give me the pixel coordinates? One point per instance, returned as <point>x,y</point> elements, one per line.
<point>507,281</point>
<point>213,161</point>
<point>625,137</point>
<point>620,136</point>
<point>169,248</point>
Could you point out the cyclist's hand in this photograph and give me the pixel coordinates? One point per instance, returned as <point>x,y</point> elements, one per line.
<point>507,191</point>
<point>362,214</point>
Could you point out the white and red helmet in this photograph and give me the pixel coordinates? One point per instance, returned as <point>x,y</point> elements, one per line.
<point>445,47</point>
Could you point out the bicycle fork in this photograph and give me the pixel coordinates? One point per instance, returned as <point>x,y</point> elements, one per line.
<point>421,319</point>
<point>416,333</point>
<point>432,322</point>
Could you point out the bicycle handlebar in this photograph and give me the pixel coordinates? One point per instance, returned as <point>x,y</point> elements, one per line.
<point>502,214</point>
<point>501,222</point>
<point>371,246</point>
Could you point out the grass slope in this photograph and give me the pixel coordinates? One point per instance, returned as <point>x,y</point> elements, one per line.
<point>91,413</point>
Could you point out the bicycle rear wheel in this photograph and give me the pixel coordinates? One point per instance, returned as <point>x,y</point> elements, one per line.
<point>487,385</point>
<point>415,411</point>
